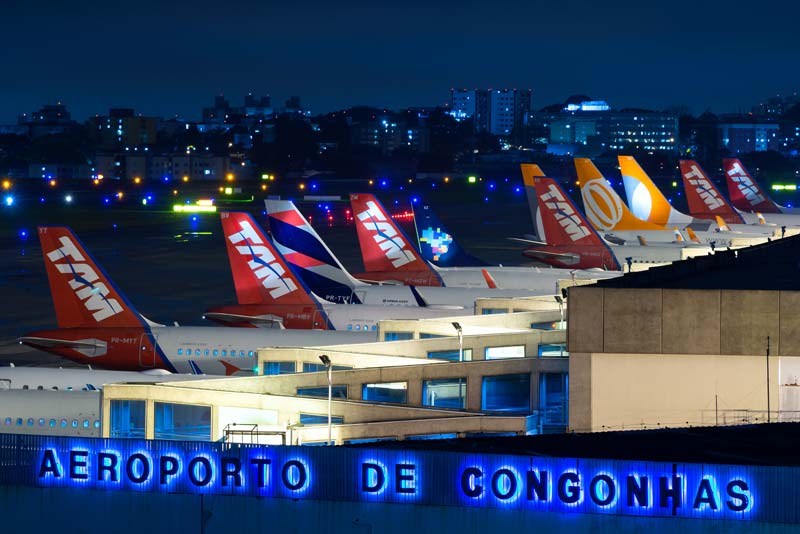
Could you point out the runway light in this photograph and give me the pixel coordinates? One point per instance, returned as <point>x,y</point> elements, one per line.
<point>471,179</point>
<point>263,187</point>
<point>674,184</point>
<point>447,179</point>
<point>68,199</point>
<point>96,181</point>
<point>6,184</point>
<point>23,234</point>
<point>53,183</point>
<point>371,182</point>
<point>301,186</point>
<point>174,192</point>
<point>229,177</point>
<point>120,194</point>
<point>106,200</point>
<point>137,180</point>
<point>9,200</point>
<point>228,190</point>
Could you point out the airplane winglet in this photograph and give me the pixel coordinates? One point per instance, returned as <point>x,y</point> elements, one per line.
<point>692,235</point>
<point>642,240</point>
<point>723,227</point>
<point>489,279</point>
<point>195,368</point>
<point>418,297</point>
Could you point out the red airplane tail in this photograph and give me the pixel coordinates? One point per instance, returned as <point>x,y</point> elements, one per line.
<point>746,195</point>
<point>260,274</point>
<point>704,199</point>
<point>384,246</point>
<point>83,294</point>
<point>563,223</point>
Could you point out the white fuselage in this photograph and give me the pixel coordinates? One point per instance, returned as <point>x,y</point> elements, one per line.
<point>209,346</point>
<point>543,280</point>
<point>365,317</point>
<point>49,412</point>
<point>50,378</point>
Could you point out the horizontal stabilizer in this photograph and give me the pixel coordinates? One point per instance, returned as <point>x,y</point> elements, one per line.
<point>48,342</point>
<point>527,241</point>
<point>232,318</point>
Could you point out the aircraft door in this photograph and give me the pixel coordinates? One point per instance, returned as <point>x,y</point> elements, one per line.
<point>147,350</point>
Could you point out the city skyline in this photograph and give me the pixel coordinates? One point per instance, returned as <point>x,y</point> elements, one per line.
<point>167,60</point>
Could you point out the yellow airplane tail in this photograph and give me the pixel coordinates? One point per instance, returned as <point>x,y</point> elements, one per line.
<point>645,199</point>
<point>603,206</point>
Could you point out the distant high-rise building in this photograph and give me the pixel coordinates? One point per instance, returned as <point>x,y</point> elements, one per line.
<point>741,136</point>
<point>502,112</point>
<point>50,119</point>
<point>122,128</point>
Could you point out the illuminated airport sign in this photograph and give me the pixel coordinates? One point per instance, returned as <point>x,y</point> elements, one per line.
<point>413,477</point>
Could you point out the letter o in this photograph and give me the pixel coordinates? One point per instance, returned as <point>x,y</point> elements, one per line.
<point>512,483</point>
<point>207,473</point>
<point>612,490</point>
<point>145,468</point>
<point>302,476</point>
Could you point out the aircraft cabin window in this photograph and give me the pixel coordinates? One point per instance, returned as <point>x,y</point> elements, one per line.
<point>349,327</point>
<point>41,422</point>
<point>85,423</point>
<point>197,352</point>
<point>19,421</point>
<point>63,423</point>
<point>25,386</point>
<point>30,421</point>
<point>241,353</point>
<point>96,423</point>
<point>8,420</point>
<point>206,352</point>
<point>250,353</point>
<point>224,353</point>
<point>74,423</point>
<point>180,352</point>
<point>52,422</point>
<point>216,352</point>
<point>40,387</point>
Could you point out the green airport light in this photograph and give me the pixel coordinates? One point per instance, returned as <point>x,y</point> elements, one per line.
<point>784,187</point>
<point>472,179</point>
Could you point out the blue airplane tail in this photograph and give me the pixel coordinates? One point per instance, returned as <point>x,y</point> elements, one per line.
<point>437,245</point>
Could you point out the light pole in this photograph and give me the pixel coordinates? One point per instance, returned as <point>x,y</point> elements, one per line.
<point>560,301</point>
<point>460,341</point>
<point>327,363</point>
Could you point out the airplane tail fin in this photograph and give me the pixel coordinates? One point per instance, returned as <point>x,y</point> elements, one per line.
<point>384,245</point>
<point>83,294</point>
<point>704,199</point>
<point>723,227</point>
<point>563,223</point>
<point>645,199</point>
<point>692,236</point>
<point>604,208</point>
<point>530,171</point>
<point>746,195</point>
<point>260,274</point>
<point>437,245</point>
<point>308,255</point>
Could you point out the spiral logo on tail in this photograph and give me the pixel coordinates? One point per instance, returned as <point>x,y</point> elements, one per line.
<point>603,206</point>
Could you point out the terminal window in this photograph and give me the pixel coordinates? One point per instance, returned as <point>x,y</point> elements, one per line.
<point>395,392</point>
<point>451,355</point>
<point>506,393</point>
<point>553,398</point>
<point>278,368</point>
<point>310,367</point>
<point>493,311</point>
<point>499,353</point>
<point>337,392</point>
<point>553,349</point>
<point>127,419</point>
<point>318,419</point>
<point>445,393</point>
<point>398,336</point>
<point>182,422</point>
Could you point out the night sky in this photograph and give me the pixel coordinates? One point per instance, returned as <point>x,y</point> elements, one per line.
<point>167,58</point>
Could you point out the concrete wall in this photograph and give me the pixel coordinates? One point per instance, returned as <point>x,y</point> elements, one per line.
<point>474,324</point>
<point>79,511</point>
<point>683,321</point>
<point>648,358</point>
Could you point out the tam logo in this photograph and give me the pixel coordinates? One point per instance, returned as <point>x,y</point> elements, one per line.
<point>385,235</point>
<point>84,283</point>
<point>745,184</point>
<point>261,261</point>
<point>704,188</point>
<point>564,214</point>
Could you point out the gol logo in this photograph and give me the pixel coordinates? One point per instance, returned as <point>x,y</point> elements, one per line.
<point>603,206</point>
<point>84,284</point>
